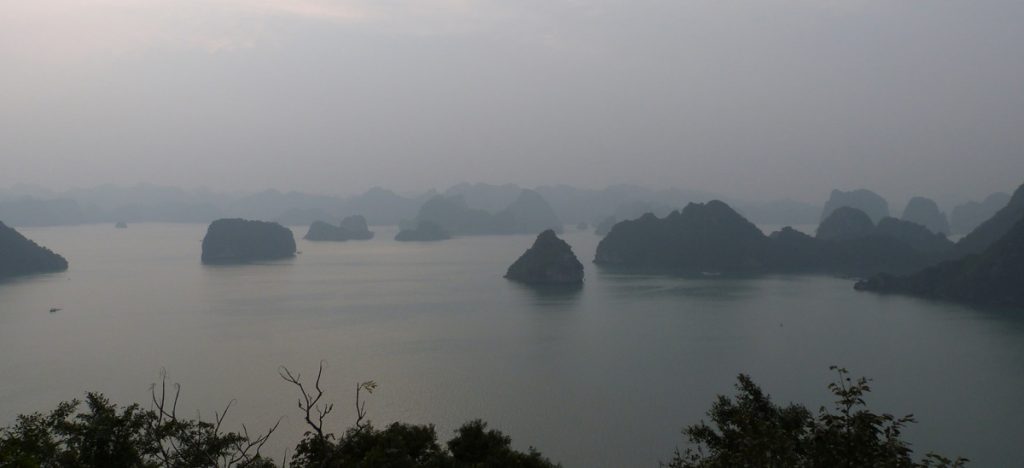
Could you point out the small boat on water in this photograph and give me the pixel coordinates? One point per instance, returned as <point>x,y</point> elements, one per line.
<point>55,309</point>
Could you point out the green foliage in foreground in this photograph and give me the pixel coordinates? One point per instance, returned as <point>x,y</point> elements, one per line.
<point>103,435</point>
<point>748,430</point>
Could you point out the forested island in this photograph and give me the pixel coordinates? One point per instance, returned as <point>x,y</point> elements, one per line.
<point>713,238</point>
<point>898,255</point>
<point>242,241</point>
<point>985,267</point>
<point>21,256</point>
<point>550,261</point>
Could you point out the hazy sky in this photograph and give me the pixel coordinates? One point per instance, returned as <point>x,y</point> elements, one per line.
<point>750,98</point>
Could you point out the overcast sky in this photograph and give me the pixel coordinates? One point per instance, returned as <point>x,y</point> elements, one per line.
<point>748,98</point>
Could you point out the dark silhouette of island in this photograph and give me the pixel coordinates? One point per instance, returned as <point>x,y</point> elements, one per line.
<point>925,211</point>
<point>988,232</point>
<point>849,224</point>
<point>324,231</point>
<point>970,215</point>
<point>713,238</point>
<point>424,231</point>
<point>550,261</point>
<point>20,256</point>
<point>995,276</point>
<point>703,237</point>
<point>865,200</point>
<point>915,235</point>
<point>351,228</point>
<point>121,225</point>
<point>240,241</point>
<point>845,223</point>
<point>357,227</point>
<point>527,214</point>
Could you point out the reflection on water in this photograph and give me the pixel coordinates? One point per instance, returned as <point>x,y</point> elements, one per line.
<point>631,358</point>
<point>551,295</point>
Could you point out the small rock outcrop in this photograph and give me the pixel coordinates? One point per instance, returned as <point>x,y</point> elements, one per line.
<point>323,231</point>
<point>121,225</point>
<point>996,276</point>
<point>20,256</point>
<point>970,215</point>
<point>550,261</point>
<point>865,200</point>
<point>845,223</point>
<point>990,231</point>
<point>356,227</point>
<point>424,231</point>
<point>925,211</point>
<point>351,228</point>
<point>240,241</point>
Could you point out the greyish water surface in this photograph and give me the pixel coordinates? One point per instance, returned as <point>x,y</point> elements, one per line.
<point>604,377</point>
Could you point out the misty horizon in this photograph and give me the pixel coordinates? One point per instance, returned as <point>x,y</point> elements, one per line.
<point>531,233</point>
<point>903,98</point>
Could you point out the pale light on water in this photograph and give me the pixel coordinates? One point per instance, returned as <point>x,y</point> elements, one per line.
<point>604,376</point>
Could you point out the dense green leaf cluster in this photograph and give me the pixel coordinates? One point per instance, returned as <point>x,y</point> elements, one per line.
<point>103,435</point>
<point>749,430</point>
<point>402,445</point>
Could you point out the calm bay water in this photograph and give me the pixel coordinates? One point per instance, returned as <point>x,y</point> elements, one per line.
<point>606,376</point>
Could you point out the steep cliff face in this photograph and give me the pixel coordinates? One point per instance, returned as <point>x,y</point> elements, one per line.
<point>21,256</point>
<point>549,261</point>
<point>925,211</point>
<point>240,241</point>
<point>865,200</point>
<point>996,276</point>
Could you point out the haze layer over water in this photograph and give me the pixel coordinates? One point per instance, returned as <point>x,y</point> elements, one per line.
<point>606,376</point>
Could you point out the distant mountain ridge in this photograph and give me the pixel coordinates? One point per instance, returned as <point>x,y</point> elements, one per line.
<point>967,216</point>
<point>865,200</point>
<point>529,213</point>
<point>990,231</point>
